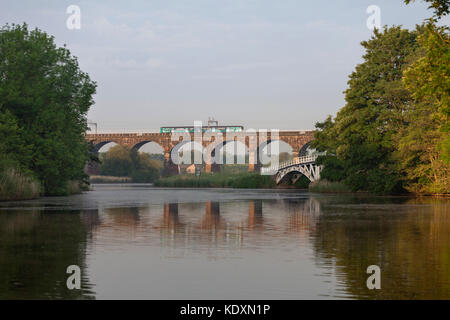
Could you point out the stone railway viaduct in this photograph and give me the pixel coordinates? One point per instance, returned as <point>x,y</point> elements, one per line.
<point>255,141</point>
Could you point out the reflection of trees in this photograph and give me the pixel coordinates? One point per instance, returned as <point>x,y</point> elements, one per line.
<point>410,245</point>
<point>128,217</point>
<point>35,250</point>
<point>408,239</point>
<point>91,219</point>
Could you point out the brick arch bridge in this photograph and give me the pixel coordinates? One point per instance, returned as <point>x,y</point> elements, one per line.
<point>255,141</point>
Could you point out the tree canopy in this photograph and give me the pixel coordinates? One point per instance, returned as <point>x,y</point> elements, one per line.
<point>424,144</point>
<point>44,100</point>
<point>393,133</point>
<point>440,7</point>
<point>359,141</point>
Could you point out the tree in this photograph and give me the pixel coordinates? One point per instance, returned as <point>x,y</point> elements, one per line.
<point>359,141</point>
<point>47,94</point>
<point>117,162</point>
<point>424,145</point>
<point>146,169</point>
<point>440,7</point>
<point>125,162</point>
<point>13,153</point>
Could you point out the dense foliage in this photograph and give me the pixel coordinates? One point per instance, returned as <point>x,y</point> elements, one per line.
<point>121,161</point>
<point>393,133</point>
<point>424,144</point>
<point>359,141</point>
<point>44,99</point>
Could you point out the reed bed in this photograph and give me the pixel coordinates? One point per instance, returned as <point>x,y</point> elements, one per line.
<point>15,185</point>
<point>109,179</point>
<point>242,180</point>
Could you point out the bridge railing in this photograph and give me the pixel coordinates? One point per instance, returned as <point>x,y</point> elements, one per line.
<point>286,164</point>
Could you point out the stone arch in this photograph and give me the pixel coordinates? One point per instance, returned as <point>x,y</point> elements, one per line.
<point>176,149</point>
<point>264,144</point>
<point>140,144</point>
<point>211,155</point>
<point>99,145</point>
<point>304,149</point>
<point>215,153</point>
<point>92,167</point>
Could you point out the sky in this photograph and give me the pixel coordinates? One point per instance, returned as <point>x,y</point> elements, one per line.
<point>274,64</point>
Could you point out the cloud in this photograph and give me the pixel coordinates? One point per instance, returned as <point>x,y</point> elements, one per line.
<point>246,66</point>
<point>153,63</point>
<point>114,63</point>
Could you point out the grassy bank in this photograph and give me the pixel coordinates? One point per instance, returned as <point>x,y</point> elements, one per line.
<point>16,186</point>
<point>242,180</point>
<point>326,186</point>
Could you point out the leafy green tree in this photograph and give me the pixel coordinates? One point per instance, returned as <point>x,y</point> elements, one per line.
<point>440,7</point>
<point>359,141</point>
<point>145,169</point>
<point>43,88</point>
<point>424,145</point>
<point>116,162</point>
<point>13,153</point>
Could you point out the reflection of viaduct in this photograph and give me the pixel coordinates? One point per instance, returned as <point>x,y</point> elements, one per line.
<point>207,223</point>
<point>303,217</point>
<point>210,141</point>
<point>212,218</point>
<point>301,212</point>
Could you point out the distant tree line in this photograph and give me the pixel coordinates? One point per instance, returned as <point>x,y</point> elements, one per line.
<point>393,133</point>
<point>122,161</point>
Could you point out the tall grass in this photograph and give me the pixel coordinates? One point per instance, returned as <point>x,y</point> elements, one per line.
<point>15,185</point>
<point>234,169</point>
<point>109,179</point>
<point>326,186</point>
<point>242,180</point>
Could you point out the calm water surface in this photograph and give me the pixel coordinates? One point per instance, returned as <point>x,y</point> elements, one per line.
<point>136,241</point>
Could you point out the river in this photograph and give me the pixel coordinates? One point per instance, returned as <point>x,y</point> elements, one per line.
<point>141,242</point>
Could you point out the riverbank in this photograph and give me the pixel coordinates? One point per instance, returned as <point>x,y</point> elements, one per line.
<point>325,186</point>
<point>248,181</point>
<point>16,185</point>
<point>218,180</point>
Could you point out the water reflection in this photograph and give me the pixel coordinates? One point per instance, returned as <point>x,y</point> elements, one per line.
<point>410,243</point>
<point>35,250</point>
<point>294,247</point>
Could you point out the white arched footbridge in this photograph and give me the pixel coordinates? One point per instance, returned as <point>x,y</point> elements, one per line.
<point>302,165</point>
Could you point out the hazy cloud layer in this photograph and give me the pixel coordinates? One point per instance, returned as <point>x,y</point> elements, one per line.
<point>260,63</point>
